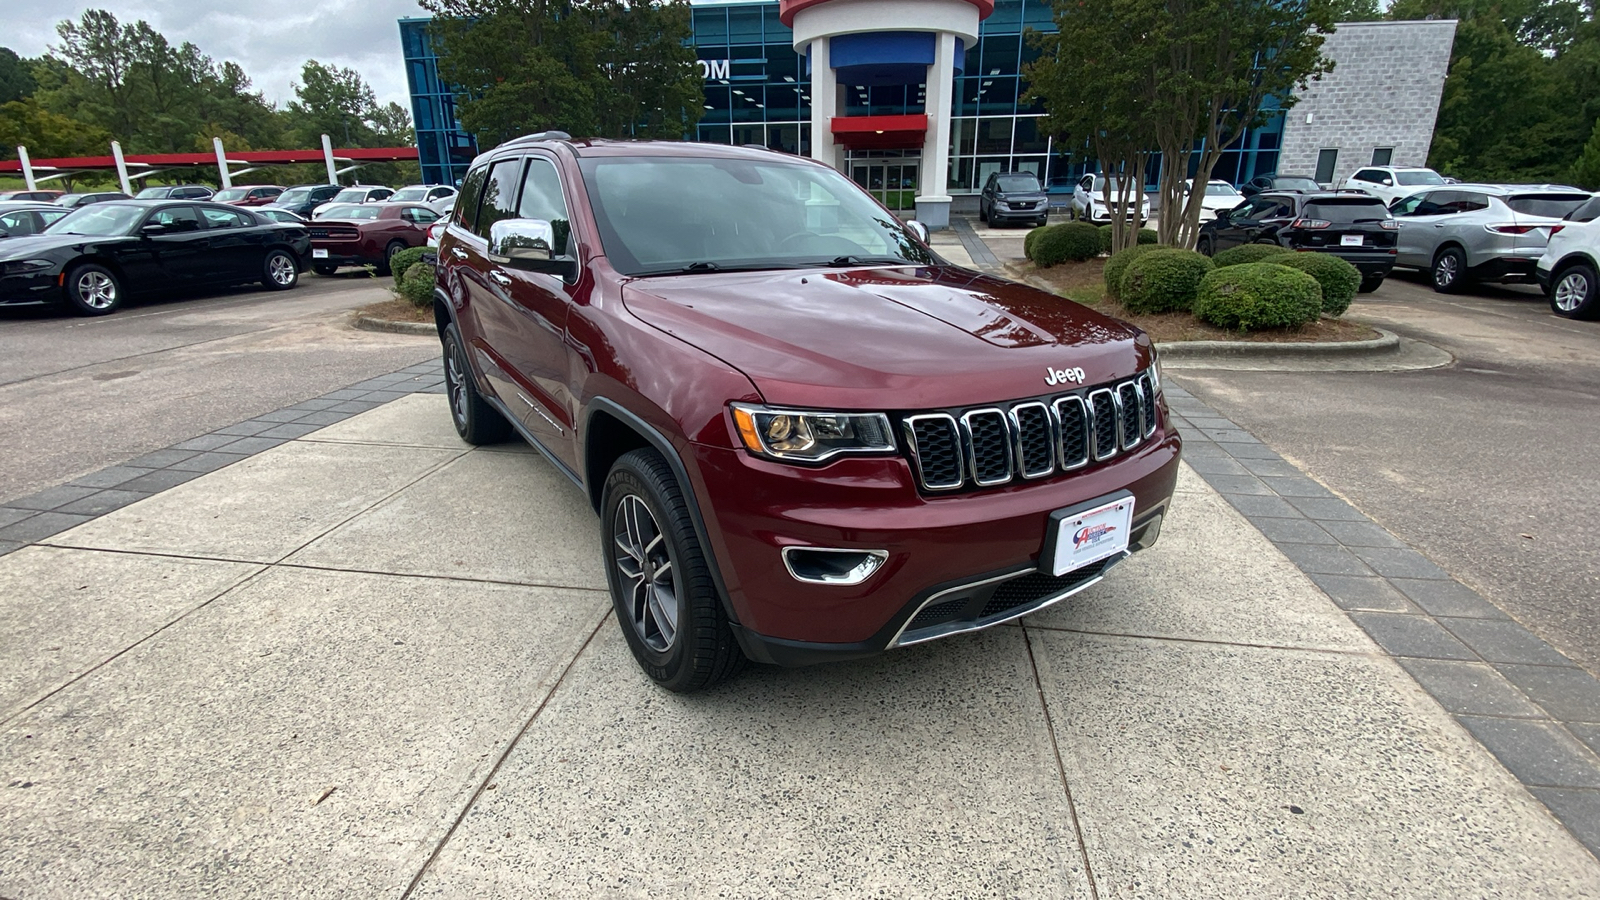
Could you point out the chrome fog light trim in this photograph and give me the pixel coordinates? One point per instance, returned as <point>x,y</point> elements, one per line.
<point>832,565</point>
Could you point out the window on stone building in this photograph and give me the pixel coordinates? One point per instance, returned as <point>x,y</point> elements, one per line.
<point>1382,155</point>
<point>1326,161</point>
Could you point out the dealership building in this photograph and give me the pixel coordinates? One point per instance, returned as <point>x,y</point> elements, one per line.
<point>920,100</point>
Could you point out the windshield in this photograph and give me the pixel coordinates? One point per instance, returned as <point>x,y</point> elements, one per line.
<point>99,219</point>
<point>1347,212</point>
<point>1221,190</point>
<point>293,198</point>
<point>1293,183</point>
<point>1555,206</point>
<point>1017,183</point>
<point>230,194</point>
<point>411,194</point>
<point>655,216</point>
<point>1101,182</point>
<point>155,193</point>
<point>351,196</point>
<point>348,211</point>
<point>1418,176</point>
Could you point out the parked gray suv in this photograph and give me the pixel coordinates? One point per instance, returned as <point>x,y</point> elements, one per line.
<point>1480,232</point>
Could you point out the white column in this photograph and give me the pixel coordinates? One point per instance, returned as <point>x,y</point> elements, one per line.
<point>327,154</point>
<point>933,204</point>
<point>222,163</point>
<point>122,167</point>
<point>27,167</point>
<point>824,103</point>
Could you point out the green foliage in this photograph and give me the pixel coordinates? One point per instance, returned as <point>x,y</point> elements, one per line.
<point>1586,171</point>
<point>1069,242</point>
<point>1118,264</point>
<point>16,77</point>
<point>593,68</point>
<point>1163,280</point>
<point>1254,296</point>
<point>1031,239</point>
<point>45,134</point>
<point>1338,279</point>
<point>402,262</point>
<point>1107,234</point>
<point>1248,253</point>
<point>1148,236</point>
<point>417,285</point>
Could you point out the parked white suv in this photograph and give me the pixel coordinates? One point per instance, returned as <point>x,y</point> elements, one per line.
<point>1567,270</point>
<point>1088,199</point>
<point>1219,198</point>
<point>1391,183</point>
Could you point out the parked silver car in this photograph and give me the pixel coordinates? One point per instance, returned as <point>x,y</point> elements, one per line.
<point>1480,232</point>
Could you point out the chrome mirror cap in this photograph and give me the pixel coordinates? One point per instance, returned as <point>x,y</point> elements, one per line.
<point>918,229</point>
<point>528,240</point>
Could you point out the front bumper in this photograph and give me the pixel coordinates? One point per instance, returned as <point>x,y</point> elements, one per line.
<point>949,553</point>
<point>1038,211</point>
<point>31,289</point>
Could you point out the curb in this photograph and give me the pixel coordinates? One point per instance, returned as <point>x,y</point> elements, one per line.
<point>368,323</point>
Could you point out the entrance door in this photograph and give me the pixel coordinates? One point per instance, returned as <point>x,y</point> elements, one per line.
<point>892,180</point>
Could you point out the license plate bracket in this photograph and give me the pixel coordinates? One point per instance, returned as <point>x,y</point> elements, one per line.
<point>1087,533</point>
<point>319,253</point>
<point>1351,240</point>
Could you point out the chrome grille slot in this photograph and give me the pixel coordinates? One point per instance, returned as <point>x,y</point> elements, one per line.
<point>1130,403</point>
<point>1036,450</point>
<point>1103,423</point>
<point>988,446</point>
<point>937,449</point>
<point>1148,389</point>
<point>1073,419</point>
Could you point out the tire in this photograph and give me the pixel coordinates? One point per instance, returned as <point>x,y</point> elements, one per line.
<point>93,290</point>
<point>324,270</point>
<point>983,212</point>
<point>1449,271</point>
<point>1370,283</point>
<point>476,421</point>
<point>1575,292</point>
<point>388,254</point>
<point>1206,247</point>
<point>667,605</point>
<point>280,272</point>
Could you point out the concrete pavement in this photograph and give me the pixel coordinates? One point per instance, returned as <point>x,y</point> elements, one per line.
<point>369,661</point>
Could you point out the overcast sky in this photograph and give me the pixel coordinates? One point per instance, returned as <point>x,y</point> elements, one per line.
<point>271,39</point>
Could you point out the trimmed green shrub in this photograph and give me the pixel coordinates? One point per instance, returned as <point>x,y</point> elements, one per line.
<point>1163,280</point>
<point>403,261</point>
<point>1247,253</point>
<point>1252,296</point>
<point>1118,264</point>
<point>1145,236</point>
<point>1339,279</point>
<point>1070,242</point>
<point>1105,238</point>
<point>416,285</point>
<point>1031,239</point>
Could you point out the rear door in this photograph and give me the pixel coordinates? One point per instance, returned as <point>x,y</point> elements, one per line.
<point>182,247</point>
<point>1421,218</point>
<point>238,248</point>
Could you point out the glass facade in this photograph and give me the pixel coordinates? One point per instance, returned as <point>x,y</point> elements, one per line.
<point>757,91</point>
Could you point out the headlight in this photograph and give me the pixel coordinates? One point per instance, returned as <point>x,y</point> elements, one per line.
<point>809,436</point>
<point>1155,369</point>
<point>24,266</point>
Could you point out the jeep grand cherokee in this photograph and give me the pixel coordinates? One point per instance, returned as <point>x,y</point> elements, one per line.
<point>807,436</point>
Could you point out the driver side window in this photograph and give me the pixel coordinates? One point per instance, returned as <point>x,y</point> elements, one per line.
<point>175,219</point>
<point>542,199</point>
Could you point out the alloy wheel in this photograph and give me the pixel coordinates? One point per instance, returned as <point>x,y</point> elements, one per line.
<point>1444,271</point>
<point>455,377</point>
<point>281,270</point>
<point>1571,291</point>
<point>97,290</point>
<point>649,577</point>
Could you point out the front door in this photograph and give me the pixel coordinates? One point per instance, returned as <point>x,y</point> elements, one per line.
<point>1420,218</point>
<point>892,180</point>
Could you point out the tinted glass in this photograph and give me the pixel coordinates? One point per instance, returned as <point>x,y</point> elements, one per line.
<point>155,193</point>
<point>499,195</point>
<point>411,194</point>
<point>50,216</point>
<point>293,197</point>
<point>1017,183</point>
<point>1465,201</point>
<point>654,218</point>
<point>1556,206</point>
<point>1418,177</point>
<point>230,194</point>
<point>1382,156</point>
<point>225,218</point>
<point>1221,190</point>
<point>542,199</point>
<point>1588,212</point>
<point>349,211</point>
<point>175,219</point>
<point>100,220</point>
<point>1347,212</point>
<point>351,196</point>
<point>1295,184</point>
<point>471,189</point>
<point>17,224</point>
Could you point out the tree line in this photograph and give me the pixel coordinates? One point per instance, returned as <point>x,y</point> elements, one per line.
<point>106,80</point>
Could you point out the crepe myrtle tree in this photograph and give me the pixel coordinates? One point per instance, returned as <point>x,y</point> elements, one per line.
<point>1189,75</point>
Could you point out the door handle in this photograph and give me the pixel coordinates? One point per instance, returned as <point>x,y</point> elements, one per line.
<point>458,253</point>
<point>501,278</point>
<point>1438,224</point>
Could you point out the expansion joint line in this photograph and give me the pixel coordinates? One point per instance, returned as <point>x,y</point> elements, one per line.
<point>1061,769</point>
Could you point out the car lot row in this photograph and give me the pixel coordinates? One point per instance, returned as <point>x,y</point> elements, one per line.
<point>303,200</point>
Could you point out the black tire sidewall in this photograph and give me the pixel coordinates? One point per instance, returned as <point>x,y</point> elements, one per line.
<point>266,270</point>
<point>84,309</point>
<point>627,481</point>
<point>1590,307</point>
<point>479,423</point>
<point>1461,271</point>
<point>388,254</point>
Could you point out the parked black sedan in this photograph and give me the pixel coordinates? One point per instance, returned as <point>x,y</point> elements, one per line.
<point>96,257</point>
<point>1352,225</point>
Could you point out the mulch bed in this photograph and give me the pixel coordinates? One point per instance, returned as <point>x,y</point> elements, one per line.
<point>396,311</point>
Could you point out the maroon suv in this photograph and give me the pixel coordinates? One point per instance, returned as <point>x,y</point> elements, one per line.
<point>807,436</point>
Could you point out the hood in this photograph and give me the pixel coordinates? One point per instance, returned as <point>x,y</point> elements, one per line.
<point>27,246</point>
<point>924,337</point>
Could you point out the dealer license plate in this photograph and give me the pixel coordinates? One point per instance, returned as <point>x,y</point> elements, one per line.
<point>1350,240</point>
<point>319,254</point>
<point>1088,537</point>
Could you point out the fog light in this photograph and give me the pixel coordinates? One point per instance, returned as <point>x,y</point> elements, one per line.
<point>823,565</point>
<point>1148,535</point>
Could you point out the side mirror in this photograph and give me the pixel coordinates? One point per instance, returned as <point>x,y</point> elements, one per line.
<point>1388,182</point>
<point>152,228</point>
<point>529,245</point>
<point>919,230</point>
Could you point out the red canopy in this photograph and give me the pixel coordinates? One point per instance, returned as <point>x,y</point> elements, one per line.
<point>880,132</point>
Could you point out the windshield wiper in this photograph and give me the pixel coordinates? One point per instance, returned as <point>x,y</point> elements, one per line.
<point>839,262</point>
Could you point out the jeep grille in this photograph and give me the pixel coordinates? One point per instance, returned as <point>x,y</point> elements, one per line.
<point>994,445</point>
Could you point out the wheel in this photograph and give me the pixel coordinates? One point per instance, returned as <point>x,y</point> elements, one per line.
<point>476,421</point>
<point>666,602</point>
<point>1573,293</point>
<point>1205,246</point>
<point>326,271</point>
<point>1370,283</point>
<point>1449,270</point>
<point>93,290</point>
<point>388,254</point>
<point>280,272</point>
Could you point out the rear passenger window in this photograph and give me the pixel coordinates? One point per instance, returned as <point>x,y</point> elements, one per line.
<point>471,190</point>
<point>542,199</point>
<point>499,195</point>
<point>225,218</point>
